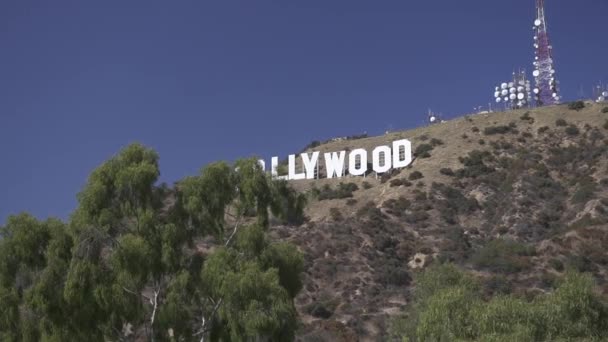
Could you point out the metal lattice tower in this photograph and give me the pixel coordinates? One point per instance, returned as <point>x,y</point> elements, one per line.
<point>546,91</point>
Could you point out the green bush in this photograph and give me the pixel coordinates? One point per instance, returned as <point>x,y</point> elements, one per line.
<point>423,150</point>
<point>605,110</point>
<point>415,175</point>
<point>503,256</point>
<point>576,105</point>
<point>397,206</point>
<point>492,130</point>
<point>399,182</point>
<point>344,190</point>
<point>436,142</point>
<point>605,125</point>
<point>543,129</point>
<point>366,185</point>
<point>561,123</point>
<point>572,130</point>
<point>556,264</point>
<point>451,308</point>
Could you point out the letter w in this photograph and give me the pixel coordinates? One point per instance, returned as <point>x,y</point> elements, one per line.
<point>334,163</point>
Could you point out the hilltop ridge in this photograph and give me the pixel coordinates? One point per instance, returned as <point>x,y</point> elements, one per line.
<point>537,177</point>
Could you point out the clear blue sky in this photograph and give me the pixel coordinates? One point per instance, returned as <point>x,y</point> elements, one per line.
<point>201,81</point>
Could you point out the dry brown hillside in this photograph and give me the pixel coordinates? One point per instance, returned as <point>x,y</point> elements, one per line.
<point>514,197</point>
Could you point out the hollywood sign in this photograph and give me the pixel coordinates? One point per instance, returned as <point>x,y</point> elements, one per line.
<point>384,158</point>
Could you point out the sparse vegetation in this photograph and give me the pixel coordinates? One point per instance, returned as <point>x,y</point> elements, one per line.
<point>576,105</point>
<point>561,123</point>
<point>335,214</point>
<point>605,110</point>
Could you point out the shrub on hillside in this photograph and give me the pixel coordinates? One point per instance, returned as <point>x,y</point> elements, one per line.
<point>605,125</point>
<point>527,117</point>
<point>366,185</point>
<point>399,182</point>
<point>572,130</point>
<point>474,164</point>
<point>423,150</point>
<point>415,175</point>
<point>397,206</point>
<point>456,311</point>
<point>475,129</point>
<point>561,123</point>
<point>344,190</point>
<point>543,129</point>
<point>503,256</point>
<point>335,214</point>
<point>436,142</point>
<point>605,110</point>
<point>585,191</point>
<point>446,171</point>
<point>492,130</point>
<point>576,105</point>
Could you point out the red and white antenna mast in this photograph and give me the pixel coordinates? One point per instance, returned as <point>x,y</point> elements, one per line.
<point>546,91</point>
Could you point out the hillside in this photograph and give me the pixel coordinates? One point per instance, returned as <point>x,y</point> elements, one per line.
<point>514,198</point>
<point>497,231</point>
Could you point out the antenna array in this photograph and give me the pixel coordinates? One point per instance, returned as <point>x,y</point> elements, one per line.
<point>514,94</point>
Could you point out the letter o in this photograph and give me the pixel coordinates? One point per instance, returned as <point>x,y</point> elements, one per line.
<point>386,151</point>
<point>352,166</point>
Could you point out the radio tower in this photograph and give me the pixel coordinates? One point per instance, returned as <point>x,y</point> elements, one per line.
<point>546,90</point>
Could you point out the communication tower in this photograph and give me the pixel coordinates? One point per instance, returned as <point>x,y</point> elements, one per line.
<point>546,91</point>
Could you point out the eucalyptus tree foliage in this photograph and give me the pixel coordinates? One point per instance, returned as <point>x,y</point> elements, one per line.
<point>129,264</point>
<point>34,258</point>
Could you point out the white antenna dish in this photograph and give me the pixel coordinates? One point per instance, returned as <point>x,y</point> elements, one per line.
<point>506,99</point>
<point>520,89</point>
<point>505,92</point>
<point>605,94</point>
<point>520,96</point>
<point>510,84</point>
<point>498,99</point>
<point>497,94</point>
<point>536,73</point>
<point>512,90</point>
<point>503,86</point>
<point>536,90</point>
<point>512,96</point>
<point>537,22</point>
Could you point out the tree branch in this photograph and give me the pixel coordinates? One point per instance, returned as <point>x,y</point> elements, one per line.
<point>236,227</point>
<point>204,322</point>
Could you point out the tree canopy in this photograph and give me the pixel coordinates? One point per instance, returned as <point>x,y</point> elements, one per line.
<point>138,259</point>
